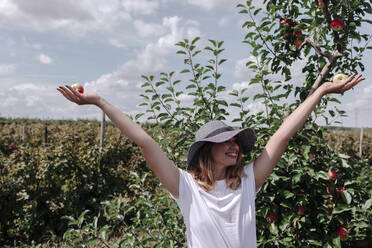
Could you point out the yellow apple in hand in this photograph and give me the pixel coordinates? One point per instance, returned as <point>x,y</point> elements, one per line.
<point>78,87</point>
<point>339,78</point>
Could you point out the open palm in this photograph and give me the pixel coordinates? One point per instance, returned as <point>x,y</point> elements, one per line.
<point>76,97</point>
<point>349,83</point>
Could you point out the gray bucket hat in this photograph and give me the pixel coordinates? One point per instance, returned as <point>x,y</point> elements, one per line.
<point>217,132</point>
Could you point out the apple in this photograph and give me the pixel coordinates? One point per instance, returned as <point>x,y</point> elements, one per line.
<point>321,4</point>
<point>272,218</point>
<point>13,146</point>
<point>298,33</point>
<point>78,87</point>
<point>342,232</point>
<point>332,175</point>
<point>330,210</point>
<point>339,78</point>
<point>337,24</point>
<point>285,22</point>
<point>297,43</point>
<point>301,210</point>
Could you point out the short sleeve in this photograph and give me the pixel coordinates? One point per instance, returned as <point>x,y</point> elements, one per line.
<point>248,169</point>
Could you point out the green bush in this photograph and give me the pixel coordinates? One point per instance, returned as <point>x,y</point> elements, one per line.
<point>40,183</point>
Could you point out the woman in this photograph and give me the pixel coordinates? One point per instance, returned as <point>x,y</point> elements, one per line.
<point>216,194</point>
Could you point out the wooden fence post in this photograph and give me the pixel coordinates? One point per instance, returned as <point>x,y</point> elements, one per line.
<point>23,132</point>
<point>102,130</point>
<point>45,134</point>
<point>361,142</point>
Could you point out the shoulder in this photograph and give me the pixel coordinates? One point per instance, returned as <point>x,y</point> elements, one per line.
<point>248,169</point>
<point>186,180</point>
<point>249,180</point>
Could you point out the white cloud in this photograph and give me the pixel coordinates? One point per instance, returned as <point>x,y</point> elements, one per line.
<point>252,89</point>
<point>141,6</point>
<point>7,69</point>
<point>122,86</point>
<point>78,17</point>
<point>116,43</point>
<point>44,59</point>
<point>148,29</point>
<point>242,72</point>
<point>210,4</point>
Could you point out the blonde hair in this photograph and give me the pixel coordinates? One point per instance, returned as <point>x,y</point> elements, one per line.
<point>203,174</point>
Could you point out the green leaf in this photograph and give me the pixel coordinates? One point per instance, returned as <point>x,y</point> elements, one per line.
<point>139,115</point>
<point>367,204</point>
<point>340,209</point>
<point>81,217</point>
<point>195,40</point>
<point>222,61</point>
<point>274,229</point>
<point>346,196</point>
<point>287,194</point>
<point>157,84</point>
<point>323,175</point>
<point>236,105</point>
<point>336,242</point>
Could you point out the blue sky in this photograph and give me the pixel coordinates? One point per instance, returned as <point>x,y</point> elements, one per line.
<point>107,46</point>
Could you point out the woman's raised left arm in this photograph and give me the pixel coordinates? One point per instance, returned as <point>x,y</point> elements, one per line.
<point>277,144</point>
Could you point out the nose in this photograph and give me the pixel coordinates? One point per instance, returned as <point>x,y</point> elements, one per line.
<point>232,142</point>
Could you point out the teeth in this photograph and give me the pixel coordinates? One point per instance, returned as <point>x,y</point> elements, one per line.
<point>232,154</point>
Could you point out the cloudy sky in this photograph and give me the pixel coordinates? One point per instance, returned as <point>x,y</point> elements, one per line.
<point>107,46</point>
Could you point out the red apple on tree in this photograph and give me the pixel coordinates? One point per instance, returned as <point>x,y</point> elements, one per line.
<point>342,232</point>
<point>297,43</point>
<point>285,22</point>
<point>321,4</point>
<point>337,24</point>
<point>272,218</point>
<point>301,210</point>
<point>78,87</point>
<point>13,146</point>
<point>298,33</point>
<point>330,210</point>
<point>332,175</point>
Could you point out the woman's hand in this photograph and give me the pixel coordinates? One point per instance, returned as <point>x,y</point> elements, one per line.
<point>76,97</point>
<point>349,83</point>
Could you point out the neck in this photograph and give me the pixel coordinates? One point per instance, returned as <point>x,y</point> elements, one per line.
<point>219,173</point>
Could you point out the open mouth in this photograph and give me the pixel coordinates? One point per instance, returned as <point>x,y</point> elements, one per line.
<point>232,154</point>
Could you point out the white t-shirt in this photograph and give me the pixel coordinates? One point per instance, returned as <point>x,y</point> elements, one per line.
<point>221,218</point>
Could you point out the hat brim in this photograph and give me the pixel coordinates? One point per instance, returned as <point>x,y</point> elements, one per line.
<point>245,137</point>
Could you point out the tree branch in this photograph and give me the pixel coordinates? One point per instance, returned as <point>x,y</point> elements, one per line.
<point>331,61</point>
<point>316,48</point>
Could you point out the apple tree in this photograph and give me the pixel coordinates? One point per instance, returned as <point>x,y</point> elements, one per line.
<point>315,197</point>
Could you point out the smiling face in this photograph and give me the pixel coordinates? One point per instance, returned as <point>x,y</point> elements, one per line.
<point>226,153</point>
<point>217,161</point>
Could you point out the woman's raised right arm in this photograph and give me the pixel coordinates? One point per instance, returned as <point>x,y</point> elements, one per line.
<point>159,163</point>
